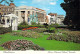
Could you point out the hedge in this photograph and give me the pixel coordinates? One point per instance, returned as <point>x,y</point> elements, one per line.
<point>5,30</point>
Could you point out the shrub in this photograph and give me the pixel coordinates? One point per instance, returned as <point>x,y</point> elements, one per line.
<point>5,30</point>
<point>21,45</point>
<point>54,25</point>
<point>70,36</point>
<point>51,29</point>
<point>38,24</point>
<point>73,35</point>
<point>33,23</point>
<point>39,30</point>
<point>45,25</point>
<point>23,23</point>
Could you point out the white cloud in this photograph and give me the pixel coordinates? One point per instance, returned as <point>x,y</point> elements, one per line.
<point>23,2</point>
<point>53,3</point>
<point>47,9</point>
<point>44,2</point>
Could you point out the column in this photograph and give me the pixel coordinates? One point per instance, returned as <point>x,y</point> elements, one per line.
<point>20,18</point>
<point>26,17</point>
<point>45,17</point>
<point>10,21</point>
<point>5,21</point>
<point>16,24</point>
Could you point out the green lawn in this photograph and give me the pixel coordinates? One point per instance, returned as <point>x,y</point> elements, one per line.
<point>42,42</point>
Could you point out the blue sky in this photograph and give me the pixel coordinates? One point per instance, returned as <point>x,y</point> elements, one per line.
<point>48,5</point>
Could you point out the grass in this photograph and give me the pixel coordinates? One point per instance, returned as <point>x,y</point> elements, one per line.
<point>42,42</point>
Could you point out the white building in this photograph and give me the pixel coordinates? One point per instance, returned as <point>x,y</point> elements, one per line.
<point>24,13</point>
<point>53,18</point>
<point>10,20</point>
<point>60,19</point>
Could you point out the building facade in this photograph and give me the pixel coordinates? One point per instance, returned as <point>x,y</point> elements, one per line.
<point>25,13</point>
<point>4,10</point>
<point>60,19</point>
<point>53,18</point>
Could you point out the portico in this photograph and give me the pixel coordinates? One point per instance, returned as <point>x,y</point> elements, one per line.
<point>11,20</point>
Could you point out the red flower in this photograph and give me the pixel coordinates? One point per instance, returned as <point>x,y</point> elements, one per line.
<point>29,28</point>
<point>24,29</point>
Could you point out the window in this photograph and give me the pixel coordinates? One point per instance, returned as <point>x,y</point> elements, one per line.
<point>28,12</point>
<point>4,13</point>
<point>51,19</point>
<point>8,20</point>
<point>28,19</point>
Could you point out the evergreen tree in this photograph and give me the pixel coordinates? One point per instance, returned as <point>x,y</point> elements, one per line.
<point>72,8</point>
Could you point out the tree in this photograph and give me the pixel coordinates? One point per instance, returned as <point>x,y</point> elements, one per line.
<point>72,13</point>
<point>6,1</point>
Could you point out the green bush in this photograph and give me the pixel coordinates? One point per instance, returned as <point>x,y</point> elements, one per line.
<point>51,29</point>
<point>20,27</point>
<point>38,24</point>
<point>40,30</point>
<point>45,25</point>
<point>33,23</point>
<point>54,25</point>
<point>23,23</point>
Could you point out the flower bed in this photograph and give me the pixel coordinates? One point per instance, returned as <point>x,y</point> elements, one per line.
<point>70,36</point>
<point>21,45</point>
<point>27,34</point>
<point>29,28</point>
<point>39,30</point>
